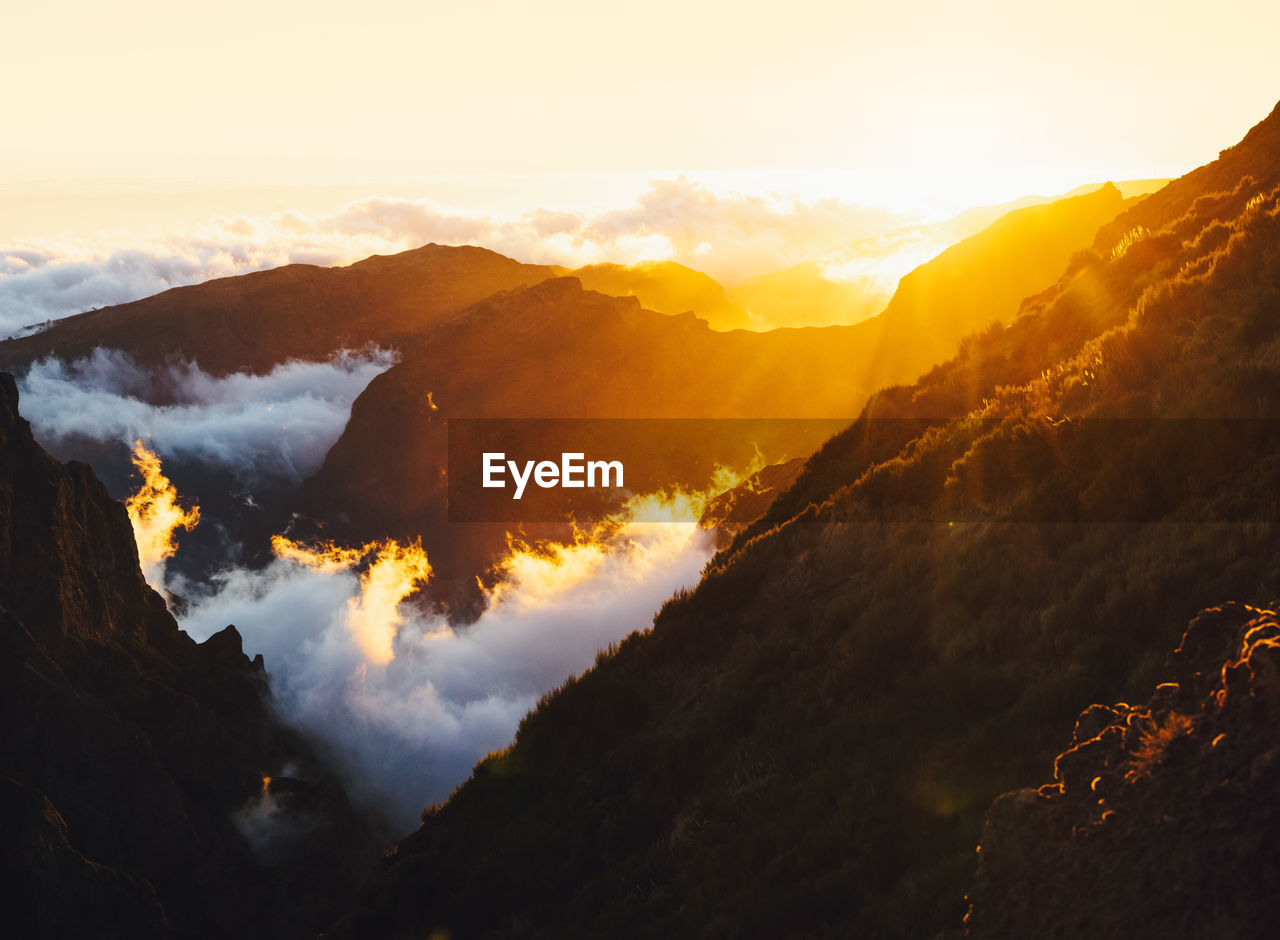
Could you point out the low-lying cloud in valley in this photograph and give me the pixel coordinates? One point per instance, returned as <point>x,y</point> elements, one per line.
<point>407,703</point>
<point>278,425</point>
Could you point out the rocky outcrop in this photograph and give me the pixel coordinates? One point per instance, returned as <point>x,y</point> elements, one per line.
<point>133,772</point>
<point>1162,819</point>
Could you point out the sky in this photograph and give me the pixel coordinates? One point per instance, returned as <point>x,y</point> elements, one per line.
<point>971,97</point>
<point>146,145</point>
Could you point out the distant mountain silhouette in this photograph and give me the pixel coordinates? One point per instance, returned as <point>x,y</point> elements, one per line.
<point>802,295</point>
<point>666,287</point>
<point>982,279</point>
<point>256,321</point>
<point>853,281</point>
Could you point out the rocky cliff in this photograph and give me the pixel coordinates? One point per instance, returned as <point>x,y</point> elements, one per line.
<point>148,789</point>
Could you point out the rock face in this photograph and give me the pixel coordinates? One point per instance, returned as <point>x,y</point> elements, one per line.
<point>133,772</point>
<point>1161,820</point>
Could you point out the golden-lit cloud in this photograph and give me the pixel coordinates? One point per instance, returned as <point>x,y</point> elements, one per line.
<point>325,557</point>
<point>648,528</point>
<point>156,515</point>
<point>373,616</point>
<point>409,702</point>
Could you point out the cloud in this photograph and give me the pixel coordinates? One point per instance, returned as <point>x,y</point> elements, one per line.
<point>155,514</point>
<point>727,234</point>
<point>278,425</point>
<point>407,730</point>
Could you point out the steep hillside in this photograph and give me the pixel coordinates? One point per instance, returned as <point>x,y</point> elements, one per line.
<point>1252,158</point>
<point>807,743</point>
<point>973,283</point>
<point>136,799</point>
<point>1161,819</point>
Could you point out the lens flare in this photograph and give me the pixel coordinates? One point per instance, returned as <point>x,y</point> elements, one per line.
<point>155,515</point>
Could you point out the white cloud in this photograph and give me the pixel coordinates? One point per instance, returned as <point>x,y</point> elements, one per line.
<point>408,731</point>
<point>280,424</point>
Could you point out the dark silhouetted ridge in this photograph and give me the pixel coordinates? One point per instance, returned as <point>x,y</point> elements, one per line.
<point>130,750</point>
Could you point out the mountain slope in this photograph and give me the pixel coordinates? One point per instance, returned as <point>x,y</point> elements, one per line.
<point>134,760</point>
<point>256,321</point>
<point>807,743</point>
<point>974,282</point>
<point>666,287</point>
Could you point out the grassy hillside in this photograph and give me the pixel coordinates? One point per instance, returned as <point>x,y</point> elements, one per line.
<point>806,744</point>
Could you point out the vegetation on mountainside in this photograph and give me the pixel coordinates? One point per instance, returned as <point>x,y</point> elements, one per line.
<point>806,744</point>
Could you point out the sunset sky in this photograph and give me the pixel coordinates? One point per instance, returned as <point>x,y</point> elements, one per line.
<point>982,98</point>
<point>149,144</point>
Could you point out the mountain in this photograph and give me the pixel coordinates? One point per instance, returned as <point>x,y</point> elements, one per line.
<point>855,281</point>
<point>556,351</point>
<point>1249,164</point>
<point>806,744</point>
<point>973,281</point>
<point>465,323</point>
<point>300,311</point>
<point>255,321</point>
<point>148,789</point>
<point>667,287</point>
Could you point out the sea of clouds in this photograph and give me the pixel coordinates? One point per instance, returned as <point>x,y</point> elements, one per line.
<point>406,732</point>
<point>279,425</point>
